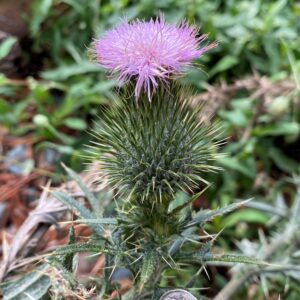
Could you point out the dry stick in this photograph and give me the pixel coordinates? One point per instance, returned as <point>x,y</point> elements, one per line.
<point>43,213</point>
<point>262,96</point>
<point>258,111</point>
<point>217,97</point>
<point>36,238</point>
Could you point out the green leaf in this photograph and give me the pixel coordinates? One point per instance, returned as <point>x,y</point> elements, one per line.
<point>234,164</point>
<point>6,46</point>
<point>75,123</point>
<point>4,107</point>
<point>40,10</point>
<point>224,64</point>
<point>245,215</point>
<point>3,80</point>
<point>235,117</point>
<point>207,215</point>
<point>280,128</point>
<point>43,122</point>
<point>64,72</point>
<point>104,86</point>
<point>283,162</point>
<point>33,285</point>
<point>59,148</point>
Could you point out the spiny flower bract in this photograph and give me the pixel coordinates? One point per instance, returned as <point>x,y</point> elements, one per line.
<point>149,52</point>
<point>150,151</point>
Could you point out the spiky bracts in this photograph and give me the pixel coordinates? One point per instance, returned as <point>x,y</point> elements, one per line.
<point>152,150</point>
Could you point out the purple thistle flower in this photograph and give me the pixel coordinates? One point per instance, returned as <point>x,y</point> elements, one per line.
<point>149,52</point>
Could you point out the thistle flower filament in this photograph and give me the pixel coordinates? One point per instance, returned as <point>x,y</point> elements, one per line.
<point>149,52</point>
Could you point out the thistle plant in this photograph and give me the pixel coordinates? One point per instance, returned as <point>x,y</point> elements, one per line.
<point>152,148</point>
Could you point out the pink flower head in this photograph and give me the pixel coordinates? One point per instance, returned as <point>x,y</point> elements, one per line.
<point>149,52</point>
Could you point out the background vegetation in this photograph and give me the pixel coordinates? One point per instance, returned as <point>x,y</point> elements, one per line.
<point>50,92</point>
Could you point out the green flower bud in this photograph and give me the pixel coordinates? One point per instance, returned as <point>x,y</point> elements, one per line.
<point>149,151</point>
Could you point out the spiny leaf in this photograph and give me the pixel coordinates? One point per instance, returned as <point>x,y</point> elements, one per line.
<point>82,211</point>
<point>65,272</point>
<point>150,262</point>
<point>68,259</point>
<point>84,247</point>
<point>32,285</point>
<point>178,242</point>
<point>106,221</point>
<point>231,258</point>
<point>89,195</point>
<point>207,215</point>
<point>228,258</point>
